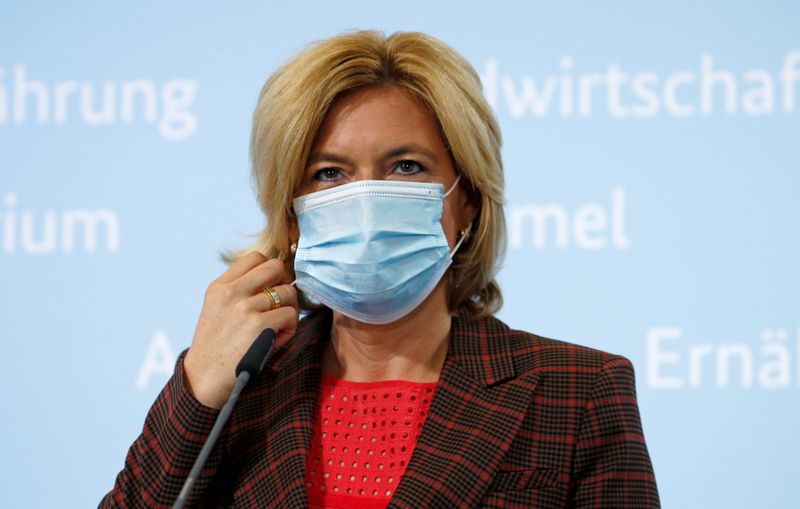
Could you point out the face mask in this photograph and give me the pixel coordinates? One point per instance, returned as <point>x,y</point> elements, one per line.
<point>372,250</point>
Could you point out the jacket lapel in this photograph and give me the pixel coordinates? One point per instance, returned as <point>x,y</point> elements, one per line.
<point>478,407</point>
<point>279,410</point>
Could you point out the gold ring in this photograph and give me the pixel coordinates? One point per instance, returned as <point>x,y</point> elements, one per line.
<point>274,298</point>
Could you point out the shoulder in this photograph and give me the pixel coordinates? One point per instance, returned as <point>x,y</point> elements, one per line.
<point>532,350</point>
<point>535,352</point>
<point>556,361</point>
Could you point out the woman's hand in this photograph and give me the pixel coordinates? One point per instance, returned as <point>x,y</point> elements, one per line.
<point>235,311</point>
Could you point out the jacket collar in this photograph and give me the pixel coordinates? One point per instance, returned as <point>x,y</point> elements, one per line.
<point>478,407</point>
<point>483,349</point>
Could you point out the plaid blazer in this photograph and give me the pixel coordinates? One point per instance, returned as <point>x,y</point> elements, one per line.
<point>517,421</point>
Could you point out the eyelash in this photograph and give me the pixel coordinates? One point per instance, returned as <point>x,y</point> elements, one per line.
<point>321,174</point>
<point>410,161</point>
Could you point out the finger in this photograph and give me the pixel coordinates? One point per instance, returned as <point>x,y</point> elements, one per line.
<point>283,321</point>
<point>263,302</point>
<point>270,273</point>
<point>242,266</point>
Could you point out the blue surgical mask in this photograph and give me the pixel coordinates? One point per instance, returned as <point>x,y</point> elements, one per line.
<point>372,250</point>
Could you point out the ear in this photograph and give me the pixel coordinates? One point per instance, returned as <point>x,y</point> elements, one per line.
<point>294,230</point>
<point>470,204</point>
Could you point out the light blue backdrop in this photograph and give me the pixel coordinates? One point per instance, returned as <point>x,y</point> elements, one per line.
<point>651,153</point>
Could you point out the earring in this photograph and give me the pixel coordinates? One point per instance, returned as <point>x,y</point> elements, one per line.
<point>293,248</point>
<point>465,232</point>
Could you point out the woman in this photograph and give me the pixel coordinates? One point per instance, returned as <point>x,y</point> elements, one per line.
<point>377,164</point>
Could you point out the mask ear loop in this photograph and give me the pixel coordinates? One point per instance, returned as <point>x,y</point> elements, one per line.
<point>452,188</point>
<point>464,235</point>
<point>465,232</point>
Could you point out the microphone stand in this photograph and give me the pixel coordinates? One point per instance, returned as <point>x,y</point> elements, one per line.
<point>248,369</point>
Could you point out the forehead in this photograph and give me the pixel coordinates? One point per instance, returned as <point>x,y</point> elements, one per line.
<point>377,116</point>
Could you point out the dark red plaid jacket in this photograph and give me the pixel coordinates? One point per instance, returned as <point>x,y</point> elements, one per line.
<point>517,421</point>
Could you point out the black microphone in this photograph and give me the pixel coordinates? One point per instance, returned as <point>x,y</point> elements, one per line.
<point>255,357</point>
<point>249,368</point>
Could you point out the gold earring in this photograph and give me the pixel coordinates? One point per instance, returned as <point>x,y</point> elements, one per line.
<point>293,247</point>
<point>465,232</point>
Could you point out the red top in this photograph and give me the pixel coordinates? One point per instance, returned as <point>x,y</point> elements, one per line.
<point>364,435</point>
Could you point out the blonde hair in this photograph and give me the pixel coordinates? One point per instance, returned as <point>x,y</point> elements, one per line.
<point>296,98</point>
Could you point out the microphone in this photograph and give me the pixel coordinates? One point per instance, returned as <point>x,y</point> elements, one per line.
<point>249,368</point>
<point>255,357</point>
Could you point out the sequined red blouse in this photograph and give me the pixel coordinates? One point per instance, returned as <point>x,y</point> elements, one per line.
<point>363,438</point>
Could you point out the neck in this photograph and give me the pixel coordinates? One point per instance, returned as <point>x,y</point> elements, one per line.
<point>412,348</point>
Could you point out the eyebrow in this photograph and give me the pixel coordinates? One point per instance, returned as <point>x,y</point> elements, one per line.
<point>411,148</point>
<point>328,157</point>
<point>395,152</point>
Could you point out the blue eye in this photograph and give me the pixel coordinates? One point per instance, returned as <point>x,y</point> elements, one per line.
<point>328,174</point>
<point>408,167</point>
